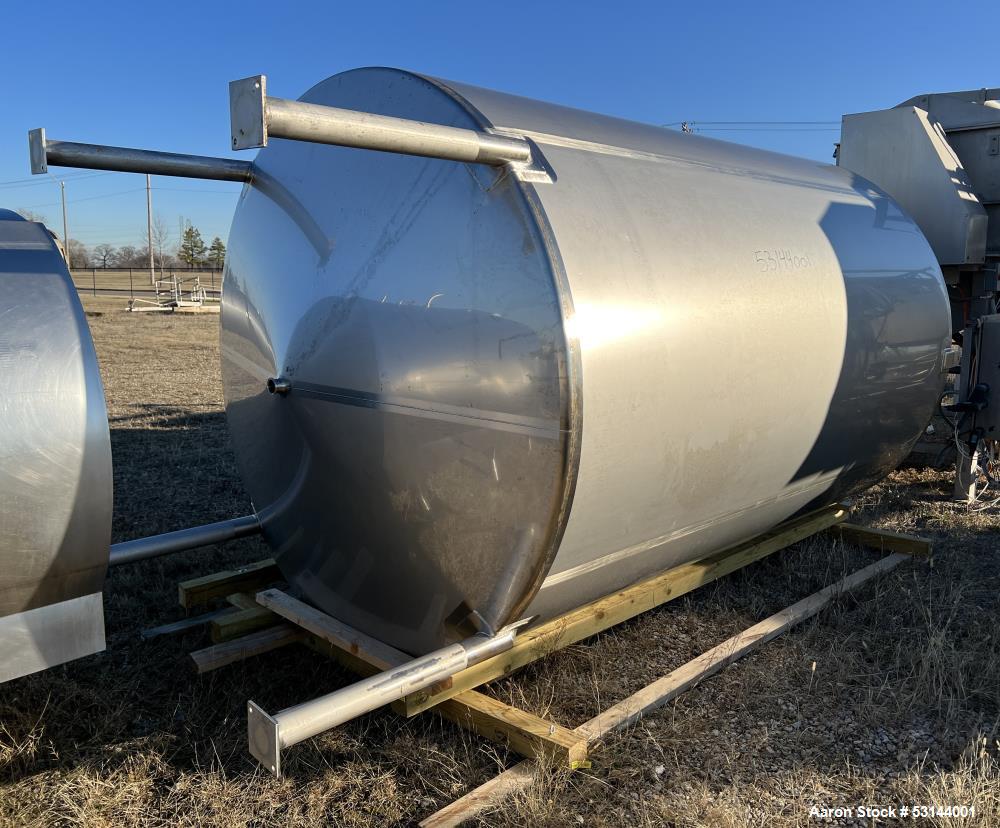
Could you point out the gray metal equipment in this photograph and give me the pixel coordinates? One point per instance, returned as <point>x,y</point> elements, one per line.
<point>55,465</point>
<point>505,394</point>
<point>55,460</point>
<point>938,156</point>
<point>487,358</point>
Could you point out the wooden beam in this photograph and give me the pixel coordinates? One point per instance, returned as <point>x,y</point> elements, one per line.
<point>523,732</point>
<point>660,692</point>
<point>884,541</point>
<point>239,622</point>
<point>220,584</point>
<point>242,600</point>
<point>576,625</point>
<point>219,655</point>
<point>368,649</point>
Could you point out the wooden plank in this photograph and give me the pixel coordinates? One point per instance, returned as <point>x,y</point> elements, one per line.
<point>239,622</point>
<point>523,732</point>
<point>368,649</point>
<point>884,540</point>
<point>243,600</point>
<point>219,655</point>
<point>660,692</point>
<point>576,625</point>
<point>245,579</point>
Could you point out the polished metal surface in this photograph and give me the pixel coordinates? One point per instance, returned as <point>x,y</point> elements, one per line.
<point>508,397</point>
<point>183,539</point>
<point>269,734</point>
<point>915,150</point>
<point>904,151</point>
<point>55,452</point>
<point>255,116</point>
<point>44,152</point>
<point>49,635</point>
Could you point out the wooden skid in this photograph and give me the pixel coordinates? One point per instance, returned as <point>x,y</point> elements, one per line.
<point>245,579</point>
<point>576,625</point>
<point>661,691</point>
<point>883,540</point>
<point>239,622</point>
<point>456,699</point>
<point>219,655</point>
<point>523,732</point>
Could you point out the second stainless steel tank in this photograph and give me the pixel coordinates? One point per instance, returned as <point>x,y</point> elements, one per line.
<point>499,397</point>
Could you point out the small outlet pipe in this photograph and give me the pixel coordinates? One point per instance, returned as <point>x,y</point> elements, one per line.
<point>183,539</point>
<point>269,735</point>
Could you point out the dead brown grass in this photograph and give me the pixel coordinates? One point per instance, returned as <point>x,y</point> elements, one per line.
<point>889,697</point>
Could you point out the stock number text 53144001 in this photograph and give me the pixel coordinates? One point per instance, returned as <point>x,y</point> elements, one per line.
<point>773,259</point>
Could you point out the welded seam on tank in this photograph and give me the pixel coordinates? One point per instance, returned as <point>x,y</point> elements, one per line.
<point>566,142</point>
<point>572,382</point>
<point>654,543</point>
<point>498,420</point>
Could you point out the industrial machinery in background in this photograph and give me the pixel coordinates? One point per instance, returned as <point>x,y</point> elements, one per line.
<point>457,329</point>
<point>938,156</point>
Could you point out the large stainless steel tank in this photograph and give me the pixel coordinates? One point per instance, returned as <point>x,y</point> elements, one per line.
<point>55,460</point>
<point>510,398</point>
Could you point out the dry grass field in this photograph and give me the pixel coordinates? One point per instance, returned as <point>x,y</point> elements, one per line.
<point>889,697</point>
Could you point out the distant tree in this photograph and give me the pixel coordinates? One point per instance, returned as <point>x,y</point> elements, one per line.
<point>79,255</point>
<point>217,252</point>
<point>127,256</point>
<point>161,237</point>
<point>103,254</point>
<point>31,215</point>
<point>192,249</point>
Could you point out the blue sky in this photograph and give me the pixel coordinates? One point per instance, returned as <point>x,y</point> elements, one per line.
<point>155,75</point>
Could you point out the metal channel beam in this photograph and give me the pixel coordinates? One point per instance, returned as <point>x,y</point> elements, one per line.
<point>124,159</point>
<point>256,117</point>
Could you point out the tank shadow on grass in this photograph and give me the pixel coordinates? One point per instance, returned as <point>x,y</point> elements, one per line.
<point>143,695</point>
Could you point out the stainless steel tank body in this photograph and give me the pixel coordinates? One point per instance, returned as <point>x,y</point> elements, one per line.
<point>498,396</point>
<point>55,460</point>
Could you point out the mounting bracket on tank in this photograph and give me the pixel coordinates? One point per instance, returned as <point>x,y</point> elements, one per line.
<point>255,117</point>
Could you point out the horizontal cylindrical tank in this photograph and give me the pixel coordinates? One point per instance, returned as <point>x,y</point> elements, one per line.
<point>499,396</point>
<point>55,460</point>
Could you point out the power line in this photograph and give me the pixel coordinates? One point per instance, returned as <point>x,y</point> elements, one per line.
<point>88,198</point>
<point>196,190</point>
<point>756,126</point>
<point>696,128</point>
<point>755,123</point>
<point>35,181</point>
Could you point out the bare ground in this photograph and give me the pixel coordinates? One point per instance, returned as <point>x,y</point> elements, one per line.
<point>890,697</point>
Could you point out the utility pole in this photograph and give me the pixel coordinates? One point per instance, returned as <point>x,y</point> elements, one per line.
<point>149,230</point>
<point>62,189</point>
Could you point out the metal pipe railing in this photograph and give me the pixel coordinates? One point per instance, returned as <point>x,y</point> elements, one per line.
<point>183,539</point>
<point>125,159</point>
<point>256,117</point>
<point>268,735</point>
